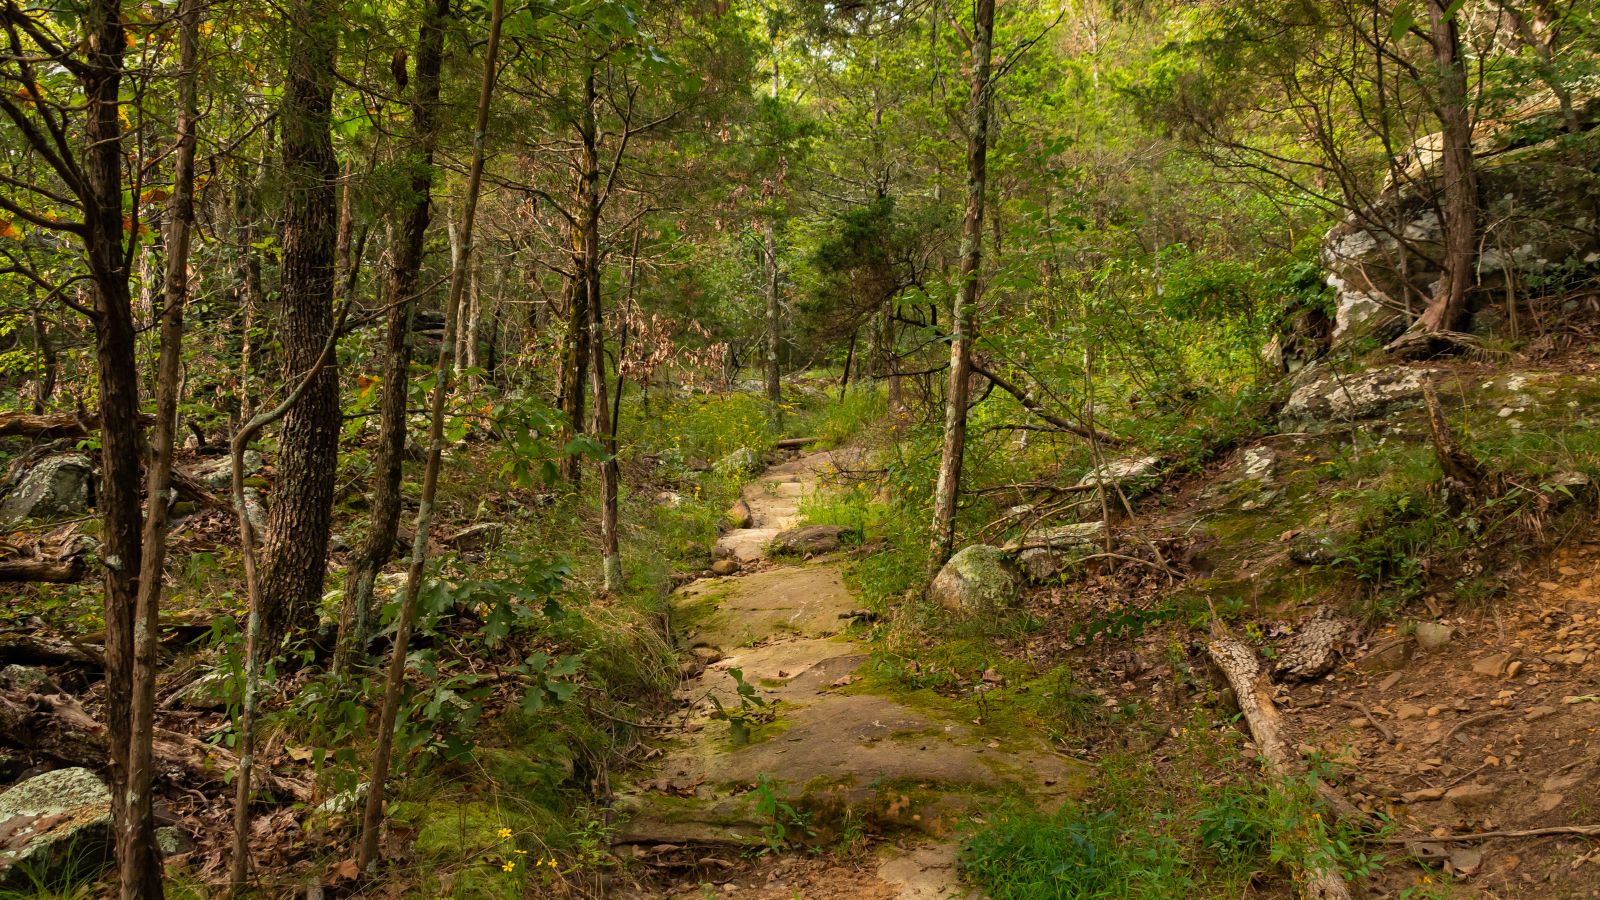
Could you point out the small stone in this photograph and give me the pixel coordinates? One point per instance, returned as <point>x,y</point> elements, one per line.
<point>1434,711</point>
<point>1540,712</point>
<point>1423,795</point>
<point>1388,683</point>
<point>1359,722</point>
<point>1575,658</point>
<point>725,566</point>
<point>1408,711</point>
<point>1432,635</point>
<point>1493,665</point>
<point>1549,802</point>
<point>1514,669</point>
<point>1471,794</point>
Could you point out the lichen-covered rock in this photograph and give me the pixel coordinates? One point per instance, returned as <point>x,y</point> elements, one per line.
<point>1334,399</point>
<point>57,487</point>
<point>1130,471</point>
<point>807,541</point>
<point>1077,534</point>
<point>51,823</point>
<point>743,461</point>
<point>218,473</point>
<point>977,580</point>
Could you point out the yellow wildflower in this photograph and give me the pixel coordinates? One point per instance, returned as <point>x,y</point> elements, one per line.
<point>505,833</point>
<point>508,867</point>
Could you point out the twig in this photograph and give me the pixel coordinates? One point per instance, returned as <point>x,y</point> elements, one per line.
<point>1360,708</point>
<point>1579,830</point>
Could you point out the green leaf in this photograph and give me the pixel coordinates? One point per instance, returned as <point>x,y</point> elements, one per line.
<point>1404,17</point>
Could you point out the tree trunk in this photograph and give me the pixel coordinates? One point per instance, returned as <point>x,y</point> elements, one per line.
<point>355,619</point>
<point>963,316</point>
<point>774,327</point>
<point>372,814</point>
<point>120,439</point>
<point>138,830</point>
<point>600,426</point>
<point>1458,181</point>
<point>294,561</point>
<point>575,358</point>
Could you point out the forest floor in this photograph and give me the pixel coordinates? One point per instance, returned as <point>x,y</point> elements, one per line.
<point>826,762</point>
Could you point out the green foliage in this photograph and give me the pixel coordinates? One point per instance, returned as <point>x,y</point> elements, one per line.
<point>752,711</point>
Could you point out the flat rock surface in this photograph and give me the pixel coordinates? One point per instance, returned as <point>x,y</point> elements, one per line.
<point>832,747</point>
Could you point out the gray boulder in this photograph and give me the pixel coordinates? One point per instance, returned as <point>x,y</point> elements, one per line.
<point>1047,554</point>
<point>807,541</point>
<point>978,580</point>
<point>1133,471</point>
<point>1333,399</point>
<point>218,473</point>
<point>743,461</point>
<point>57,487</point>
<point>52,824</point>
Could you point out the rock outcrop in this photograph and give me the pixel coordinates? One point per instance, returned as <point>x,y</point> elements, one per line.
<point>1539,201</point>
<point>808,540</point>
<point>1334,399</point>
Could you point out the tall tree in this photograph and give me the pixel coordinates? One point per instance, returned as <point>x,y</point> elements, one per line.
<point>300,517</point>
<point>963,324</point>
<point>400,303</point>
<point>372,814</point>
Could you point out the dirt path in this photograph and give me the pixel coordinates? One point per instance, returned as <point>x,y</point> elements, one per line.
<point>848,762</point>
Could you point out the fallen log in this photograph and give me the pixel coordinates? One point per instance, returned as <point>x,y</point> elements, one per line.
<point>56,726</point>
<point>1239,665</point>
<point>52,571</point>
<point>34,650</point>
<point>796,443</point>
<point>53,425</point>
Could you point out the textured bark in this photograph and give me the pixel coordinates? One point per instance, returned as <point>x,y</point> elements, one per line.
<point>963,316</point>
<point>138,829</point>
<point>105,46</point>
<point>774,319</point>
<point>372,813</point>
<point>1458,181</point>
<point>294,561</point>
<point>575,356</point>
<point>400,298</point>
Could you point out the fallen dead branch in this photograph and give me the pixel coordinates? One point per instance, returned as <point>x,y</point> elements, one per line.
<point>1553,830</point>
<point>56,726</point>
<point>34,650</point>
<point>1238,664</point>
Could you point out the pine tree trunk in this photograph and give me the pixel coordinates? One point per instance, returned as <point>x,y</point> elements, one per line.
<point>575,358</point>
<point>355,619</point>
<point>963,316</point>
<point>295,555</point>
<point>600,425</point>
<point>774,327</point>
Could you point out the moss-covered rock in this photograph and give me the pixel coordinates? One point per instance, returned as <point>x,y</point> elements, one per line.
<point>979,579</point>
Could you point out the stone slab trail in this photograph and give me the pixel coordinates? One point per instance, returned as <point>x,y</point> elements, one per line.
<point>845,757</point>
